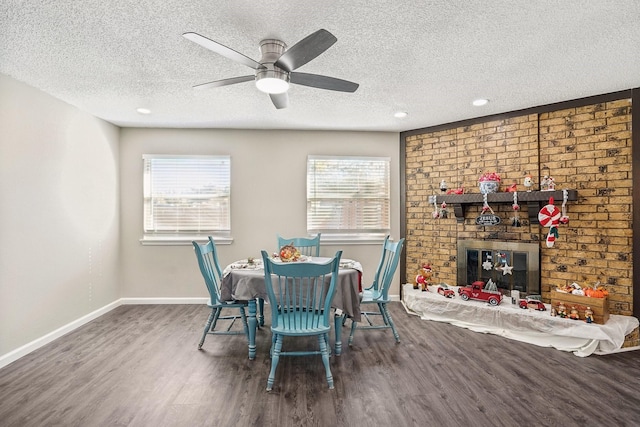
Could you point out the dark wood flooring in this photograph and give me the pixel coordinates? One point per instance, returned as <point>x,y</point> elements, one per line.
<point>139,366</point>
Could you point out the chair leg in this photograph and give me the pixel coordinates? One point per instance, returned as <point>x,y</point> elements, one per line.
<point>207,326</point>
<point>273,344</point>
<point>260,312</point>
<point>243,315</point>
<point>344,319</point>
<point>275,358</point>
<point>354,325</point>
<point>324,350</point>
<point>218,311</point>
<point>389,321</point>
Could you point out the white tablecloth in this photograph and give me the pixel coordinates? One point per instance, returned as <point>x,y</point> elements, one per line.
<point>510,321</point>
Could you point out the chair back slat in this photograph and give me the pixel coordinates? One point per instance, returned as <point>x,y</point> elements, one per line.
<point>300,293</point>
<point>387,267</point>
<point>210,268</point>
<point>309,246</point>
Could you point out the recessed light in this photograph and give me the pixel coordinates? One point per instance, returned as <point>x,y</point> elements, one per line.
<point>143,111</point>
<point>400,114</point>
<point>480,102</point>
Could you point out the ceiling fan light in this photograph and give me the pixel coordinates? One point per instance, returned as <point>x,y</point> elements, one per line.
<point>272,85</point>
<point>272,80</point>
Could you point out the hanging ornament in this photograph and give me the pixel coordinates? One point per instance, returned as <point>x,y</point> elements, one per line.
<point>487,264</point>
<point>516,211</point>
<point>564,219</point>
<point>443,210</point>
<point>436,212</point>
<point>502,259</point>
<point>507,269</point>
<point>549,216</point>
<point>487,217</point>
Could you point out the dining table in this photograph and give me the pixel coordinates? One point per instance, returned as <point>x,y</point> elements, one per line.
<point>244,280</point>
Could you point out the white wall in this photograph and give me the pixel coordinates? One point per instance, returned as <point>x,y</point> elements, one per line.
<point>71,209</point>
<point>59,223</point>
<point>268,181</point>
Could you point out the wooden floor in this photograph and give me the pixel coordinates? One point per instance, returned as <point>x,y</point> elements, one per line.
<point>139,366</point>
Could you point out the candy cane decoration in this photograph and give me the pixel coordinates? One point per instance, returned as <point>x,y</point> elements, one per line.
<point>549,216</point>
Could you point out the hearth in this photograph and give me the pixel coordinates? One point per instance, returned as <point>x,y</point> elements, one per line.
<point>512,266</point>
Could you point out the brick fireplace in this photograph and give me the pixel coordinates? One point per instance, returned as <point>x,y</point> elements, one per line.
<point>585,145</point>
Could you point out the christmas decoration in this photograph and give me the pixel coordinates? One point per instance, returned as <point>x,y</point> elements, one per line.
<point>515,221</point>
<point>547,183</point>
<point>423,278</point>
<point>528,182</point>
<point>487,217</point>
<point>505,267</point>
<point>564,219</point>
<point>488,263</point>
<point>489,182</point>
<point>436,213</point>
<point>549,216</point>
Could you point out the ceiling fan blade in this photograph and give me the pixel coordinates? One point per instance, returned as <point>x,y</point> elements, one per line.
<point>280,100</point>
<point>225,82</point>
<point>305,50</point>
<point>323,82</point>
<point>222,50</point>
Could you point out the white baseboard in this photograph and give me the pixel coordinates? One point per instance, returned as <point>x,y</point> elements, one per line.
<point>194,300</point>
<point>16,354</point>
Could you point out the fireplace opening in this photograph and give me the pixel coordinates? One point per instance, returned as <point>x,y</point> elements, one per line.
<point>512,266</point>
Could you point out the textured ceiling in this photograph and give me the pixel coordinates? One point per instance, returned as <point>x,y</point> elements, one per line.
<point>430,58</point>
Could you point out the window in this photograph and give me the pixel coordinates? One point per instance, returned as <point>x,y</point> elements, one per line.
<point>348,196</point>
<point>186,196</point>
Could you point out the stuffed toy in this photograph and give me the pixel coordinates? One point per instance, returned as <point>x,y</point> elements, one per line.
<point>423,278</point>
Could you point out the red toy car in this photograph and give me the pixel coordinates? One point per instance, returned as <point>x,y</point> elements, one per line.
<point>534,302</point>
<point>477,290</point>
<point>445,291</point>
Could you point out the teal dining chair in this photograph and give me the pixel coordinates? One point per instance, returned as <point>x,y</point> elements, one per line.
<point>212,273</point>
<point>309,246</point>
<point>300,295</point>
<point>375,298</point>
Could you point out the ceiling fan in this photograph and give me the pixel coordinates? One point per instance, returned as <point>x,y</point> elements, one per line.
<point>275,70</point>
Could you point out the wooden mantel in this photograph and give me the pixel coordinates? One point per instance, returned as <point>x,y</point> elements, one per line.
<point>534,201</point>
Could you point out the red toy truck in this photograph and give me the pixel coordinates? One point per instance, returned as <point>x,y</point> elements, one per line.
<point>478,290</point>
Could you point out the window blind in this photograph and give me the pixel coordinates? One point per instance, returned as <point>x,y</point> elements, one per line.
<point>187,195</point>
<point>348,195</point>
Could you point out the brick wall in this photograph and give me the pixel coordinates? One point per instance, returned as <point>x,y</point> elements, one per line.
<point>585,148</point>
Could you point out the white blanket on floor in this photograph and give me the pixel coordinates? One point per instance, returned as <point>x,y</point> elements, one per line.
<point>510,321</point>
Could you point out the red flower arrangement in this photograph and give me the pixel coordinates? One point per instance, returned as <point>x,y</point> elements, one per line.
<point>489,176</point>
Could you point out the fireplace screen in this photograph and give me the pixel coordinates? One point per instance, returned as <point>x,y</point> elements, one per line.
<point>511,266</point>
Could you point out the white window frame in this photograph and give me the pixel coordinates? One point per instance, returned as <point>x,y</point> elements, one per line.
<point>343,230</point>
<point>188,175</point>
